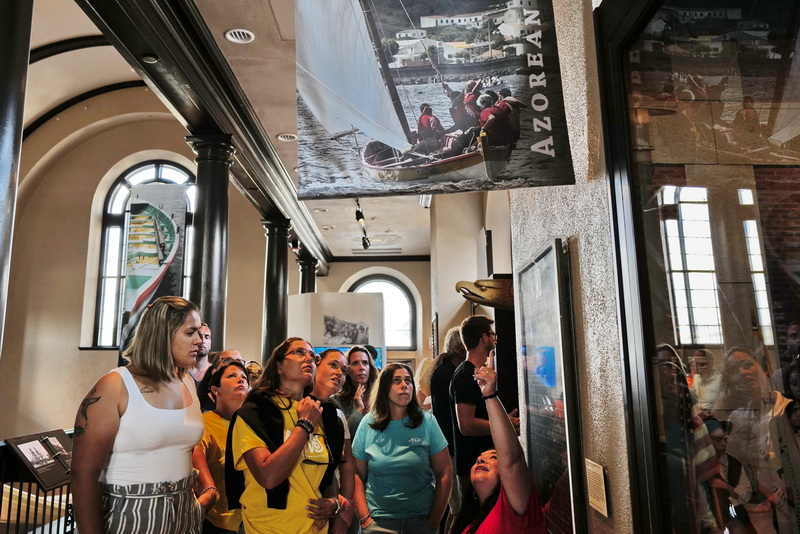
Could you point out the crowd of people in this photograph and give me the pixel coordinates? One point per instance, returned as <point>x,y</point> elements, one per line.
<point>473,111</point>
<point>310,443</point>
<point>732,421</point>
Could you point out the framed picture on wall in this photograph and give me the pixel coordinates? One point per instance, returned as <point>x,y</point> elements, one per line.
<point>550,384</point>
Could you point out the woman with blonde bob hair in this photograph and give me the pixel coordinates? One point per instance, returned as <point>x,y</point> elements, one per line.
<point>135,431</point>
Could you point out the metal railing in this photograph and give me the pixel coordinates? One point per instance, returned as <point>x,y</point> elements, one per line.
<point>24,508</point>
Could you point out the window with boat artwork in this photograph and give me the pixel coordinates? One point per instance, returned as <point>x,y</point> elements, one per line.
<point>145,244</point>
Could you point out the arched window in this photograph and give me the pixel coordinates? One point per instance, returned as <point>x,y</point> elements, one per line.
<point>399,310</point>
<point>129,250</point>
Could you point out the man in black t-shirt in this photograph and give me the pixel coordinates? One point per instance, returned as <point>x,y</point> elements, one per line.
<point>471,432</point>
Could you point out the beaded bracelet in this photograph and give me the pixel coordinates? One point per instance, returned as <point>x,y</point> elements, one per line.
<point>306,425</point>
<point>210,488</point>
<point>487,397</point>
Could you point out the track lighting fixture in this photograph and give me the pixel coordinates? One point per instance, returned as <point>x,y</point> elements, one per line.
<point>360,218</point>
<point>359,213</point>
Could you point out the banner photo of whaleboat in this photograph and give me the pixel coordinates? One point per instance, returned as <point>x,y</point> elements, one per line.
<point>394,99</point>
<point>156,224</point>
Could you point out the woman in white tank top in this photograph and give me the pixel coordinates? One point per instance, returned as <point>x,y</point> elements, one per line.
<point>135,431</point>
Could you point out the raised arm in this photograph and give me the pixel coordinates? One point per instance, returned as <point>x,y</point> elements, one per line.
<point>270,469</point>
<point>515,477</point>
<point>96,427</point>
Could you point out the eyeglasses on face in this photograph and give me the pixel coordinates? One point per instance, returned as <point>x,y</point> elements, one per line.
<point>492,334</point>
<point>303,353</point>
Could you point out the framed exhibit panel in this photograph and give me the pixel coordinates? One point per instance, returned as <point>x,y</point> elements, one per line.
<point>339,320</point>
<point>702,120</point>
<point>47,455</point>
<point>544,311</point>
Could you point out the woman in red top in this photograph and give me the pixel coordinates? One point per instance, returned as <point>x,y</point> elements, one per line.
<point>500,477</point>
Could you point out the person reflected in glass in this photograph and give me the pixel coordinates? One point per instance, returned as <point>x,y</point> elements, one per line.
<point>747,401</point>
<point>283,448</point>
<point>677,411</point>
<point>729,490</point>
<point>706,380</point>
<point>401,456</point>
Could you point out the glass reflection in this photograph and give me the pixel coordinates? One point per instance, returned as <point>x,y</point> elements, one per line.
<point>713,91</point>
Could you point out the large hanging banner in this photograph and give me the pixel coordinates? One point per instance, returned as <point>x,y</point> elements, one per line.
<point>154,253</point>
<point>400,97</point>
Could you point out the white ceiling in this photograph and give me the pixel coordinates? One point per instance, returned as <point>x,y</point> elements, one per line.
<point>265,71</point>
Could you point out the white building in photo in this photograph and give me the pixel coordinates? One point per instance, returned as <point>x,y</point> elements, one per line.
<point>414,33</point>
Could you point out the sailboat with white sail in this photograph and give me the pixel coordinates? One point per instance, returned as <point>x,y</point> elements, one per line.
<point>347,85</point>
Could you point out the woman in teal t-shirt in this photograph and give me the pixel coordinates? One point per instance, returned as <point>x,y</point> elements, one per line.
<point>401,456</point>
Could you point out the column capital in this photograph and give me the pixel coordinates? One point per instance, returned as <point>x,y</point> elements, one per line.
<point>308,262</point>
<point>277,227</point>
<point>212,147</point>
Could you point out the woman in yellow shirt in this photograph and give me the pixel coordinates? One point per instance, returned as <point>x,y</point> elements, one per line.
<point>228,387</point>
<point>279,451</point>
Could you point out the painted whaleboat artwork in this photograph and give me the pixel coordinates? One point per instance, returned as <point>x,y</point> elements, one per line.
<point>355,102</point>
<point>152,247</point>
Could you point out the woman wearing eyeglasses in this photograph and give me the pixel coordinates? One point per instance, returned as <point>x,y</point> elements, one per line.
<point>330,375</point>
<point>283,446</point>
<point>228,386</point>
<point>399,449</point>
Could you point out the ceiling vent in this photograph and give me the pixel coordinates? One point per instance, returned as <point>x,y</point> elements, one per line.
<point>379,251</point>
<point>240,36</point>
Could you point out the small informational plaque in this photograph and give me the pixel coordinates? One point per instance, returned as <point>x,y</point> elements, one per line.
<point>596,483</point>
<point>47,455</point>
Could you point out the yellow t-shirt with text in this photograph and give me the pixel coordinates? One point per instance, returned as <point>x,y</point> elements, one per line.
<point>304,480</point>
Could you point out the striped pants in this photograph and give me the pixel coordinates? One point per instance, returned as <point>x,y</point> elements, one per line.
<point>160,508</point>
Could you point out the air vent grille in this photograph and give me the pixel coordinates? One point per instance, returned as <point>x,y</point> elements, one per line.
<point>240,36</point>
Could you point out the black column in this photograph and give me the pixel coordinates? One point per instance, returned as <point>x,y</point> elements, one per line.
<point>308,274</point>
<point>276,285</point>
<point>15,39</point>
<point>210,254</point>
